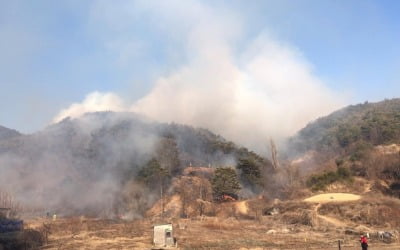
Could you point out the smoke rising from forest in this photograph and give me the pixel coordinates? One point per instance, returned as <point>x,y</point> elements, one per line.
<point>247,91</point>
<point>91,165</point>
<point>77,166</point>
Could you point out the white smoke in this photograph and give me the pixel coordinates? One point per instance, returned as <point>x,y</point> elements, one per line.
<point>93,102</point>
<point>270,92</point>
<point>267,89</point>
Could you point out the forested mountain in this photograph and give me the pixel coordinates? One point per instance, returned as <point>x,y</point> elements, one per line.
<point>111,163</point>
<point>87,164</point>
<point>365,124</point>
<point>359,140</point>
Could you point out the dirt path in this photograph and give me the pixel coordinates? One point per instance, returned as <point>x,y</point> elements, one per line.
<point>331,197</point>
<point>328,219</point>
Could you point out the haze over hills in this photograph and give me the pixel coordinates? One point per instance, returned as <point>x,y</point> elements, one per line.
<point>228,120</point>
<point>83,164</point>
<point>6,133</point>
<point>88,163</point>
<point>118,165</point>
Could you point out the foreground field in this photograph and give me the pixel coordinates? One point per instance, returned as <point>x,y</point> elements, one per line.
<point>318,222</point>
<point>200,233</point>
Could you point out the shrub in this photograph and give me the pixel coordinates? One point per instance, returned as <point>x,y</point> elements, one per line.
<point>319,182</point>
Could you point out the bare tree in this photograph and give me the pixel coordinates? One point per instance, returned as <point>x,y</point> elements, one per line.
<point>274,154</point>
<point>194,192</point>
<point>9,204</point>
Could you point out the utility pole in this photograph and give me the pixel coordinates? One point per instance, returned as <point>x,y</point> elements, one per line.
<point>162,196</point>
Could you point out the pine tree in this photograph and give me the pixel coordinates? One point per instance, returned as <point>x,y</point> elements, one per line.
<point>225,181</point>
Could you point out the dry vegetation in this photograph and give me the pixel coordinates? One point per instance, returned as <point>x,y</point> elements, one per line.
<point>297,225</point>
<point>8,201</point>
<point>259,223</point>
<point>199,233</point>
<point>375,211</point>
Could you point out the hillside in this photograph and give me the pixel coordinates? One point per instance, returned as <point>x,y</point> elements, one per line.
<point>369,123</point>
<point>90,164</point>
<point>360,140</point>
<point>114,165</point>
<point>6,133</point>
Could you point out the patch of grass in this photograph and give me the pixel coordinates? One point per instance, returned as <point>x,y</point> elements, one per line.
<point>319,182</point>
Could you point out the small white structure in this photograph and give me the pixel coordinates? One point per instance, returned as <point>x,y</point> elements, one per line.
<point>163,236</point>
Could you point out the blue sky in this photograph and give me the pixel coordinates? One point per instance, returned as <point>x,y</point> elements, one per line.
<point>55,53</point>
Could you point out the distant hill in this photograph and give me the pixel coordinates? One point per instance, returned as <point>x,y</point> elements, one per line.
<point>368,123</point>
<point>85,164</point>
<point>6,133</point>
<point>359,140</point>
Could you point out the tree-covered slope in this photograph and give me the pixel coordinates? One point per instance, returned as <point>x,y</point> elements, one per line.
<point>359,140</point>
<point>368,124</point>
<point>89,163</point>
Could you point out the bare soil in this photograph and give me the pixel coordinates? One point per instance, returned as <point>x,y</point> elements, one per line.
<point>333,197</point>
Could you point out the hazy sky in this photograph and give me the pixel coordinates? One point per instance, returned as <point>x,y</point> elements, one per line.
<point>125,55</point>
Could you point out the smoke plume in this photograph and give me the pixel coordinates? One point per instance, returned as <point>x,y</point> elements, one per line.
<point>246,90</point>
<point>93,102</point>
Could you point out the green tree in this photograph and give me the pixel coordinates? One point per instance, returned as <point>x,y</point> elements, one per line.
<point>152,173</point>
<point>168,155</point>
<point>225,181</point>
<point>319,182</point>
<point>250,172</point>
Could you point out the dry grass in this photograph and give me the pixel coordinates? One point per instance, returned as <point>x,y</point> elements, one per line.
<point>297,226</point>
<point>302,217</point>
<point>27,239</point>
<point>75,233</point>
<point>378,212</point>
<point>214,225</point>
<point>200,233</point>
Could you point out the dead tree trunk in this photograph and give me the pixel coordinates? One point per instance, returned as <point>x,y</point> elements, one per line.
<point>274,153</point>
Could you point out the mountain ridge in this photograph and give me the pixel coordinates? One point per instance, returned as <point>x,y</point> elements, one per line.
<point>6,133</point>
<point>83,164</point>
<point>371,123</point>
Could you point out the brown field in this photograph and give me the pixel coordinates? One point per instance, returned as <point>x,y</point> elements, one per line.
<point>199,233</point>
<point>318,222</point>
